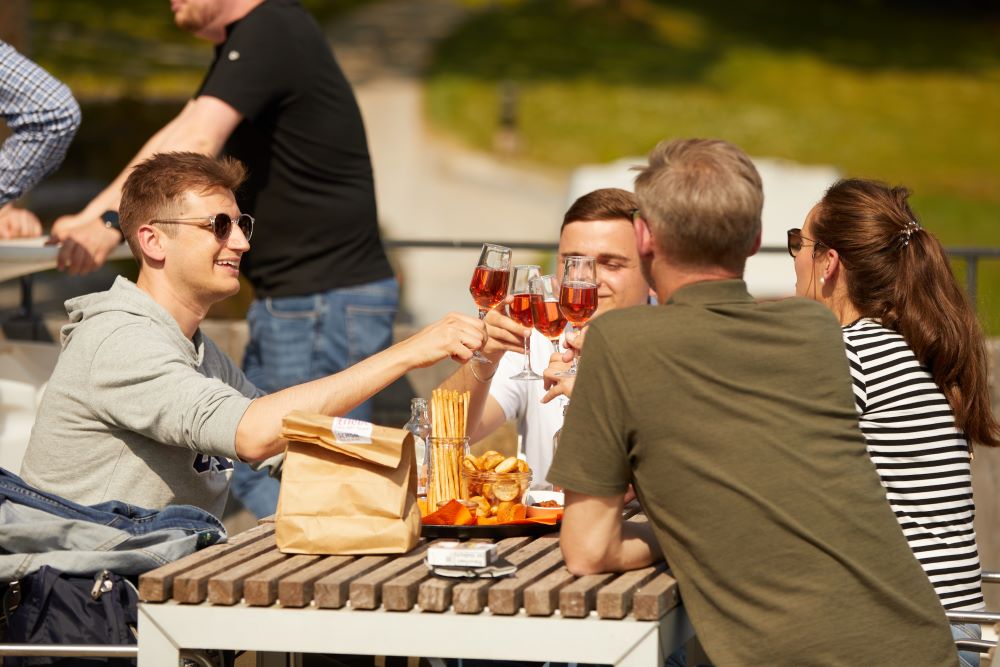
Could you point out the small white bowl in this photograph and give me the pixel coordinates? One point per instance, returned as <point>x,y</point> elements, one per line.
<point>533,497</point>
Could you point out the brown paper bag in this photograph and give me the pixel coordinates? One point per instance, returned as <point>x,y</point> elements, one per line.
<point>347,487</point>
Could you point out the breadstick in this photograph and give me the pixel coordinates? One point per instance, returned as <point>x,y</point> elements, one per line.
<point>454,415</point>
<point>435,411</point>
<point>465,413</point>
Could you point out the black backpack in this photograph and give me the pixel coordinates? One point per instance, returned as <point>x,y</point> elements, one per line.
<point>57,608</point>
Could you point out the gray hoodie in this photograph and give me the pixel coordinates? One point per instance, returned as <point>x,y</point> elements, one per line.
<point>134,410</point>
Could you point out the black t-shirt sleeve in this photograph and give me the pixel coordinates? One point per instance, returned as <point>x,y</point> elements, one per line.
<point>592,457</point>
<point>247,73</point>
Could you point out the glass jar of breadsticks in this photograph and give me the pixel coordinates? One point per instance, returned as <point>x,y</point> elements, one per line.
<point>447,446</point>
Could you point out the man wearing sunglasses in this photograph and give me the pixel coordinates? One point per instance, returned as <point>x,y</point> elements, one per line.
<point>145,409</point>
<point>275,98</point>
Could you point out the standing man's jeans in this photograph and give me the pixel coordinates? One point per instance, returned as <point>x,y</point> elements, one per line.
<point>300,338</point>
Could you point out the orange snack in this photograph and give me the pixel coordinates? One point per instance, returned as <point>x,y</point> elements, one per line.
<point>505,511</point>
<point>453,513</point>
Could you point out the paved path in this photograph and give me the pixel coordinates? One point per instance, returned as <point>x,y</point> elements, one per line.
<point>426,186</point>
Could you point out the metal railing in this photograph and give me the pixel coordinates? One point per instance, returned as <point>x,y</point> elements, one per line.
<point>970,256</point>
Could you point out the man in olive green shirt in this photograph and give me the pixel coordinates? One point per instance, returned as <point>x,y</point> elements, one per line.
<point>735,422</point>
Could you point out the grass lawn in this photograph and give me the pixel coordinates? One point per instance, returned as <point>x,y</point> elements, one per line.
<point>898,91</point>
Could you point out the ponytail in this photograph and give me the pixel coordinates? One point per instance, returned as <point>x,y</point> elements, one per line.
<point>899,274</point>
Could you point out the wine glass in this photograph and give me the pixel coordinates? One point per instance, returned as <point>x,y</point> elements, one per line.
<point>489,282</point>
<point>546,317</point>
<point>578,296</point>
<point>520,311</point>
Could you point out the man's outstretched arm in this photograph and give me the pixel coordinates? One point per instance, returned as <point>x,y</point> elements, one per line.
<point>258,435</point>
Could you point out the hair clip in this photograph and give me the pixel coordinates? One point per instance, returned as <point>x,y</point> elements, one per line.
<point>908,229</point>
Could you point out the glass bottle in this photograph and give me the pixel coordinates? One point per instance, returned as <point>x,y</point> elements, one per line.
<point>420,426</point>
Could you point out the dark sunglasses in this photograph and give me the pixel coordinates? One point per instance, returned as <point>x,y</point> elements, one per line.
<point>795,240</point>
<point>220,224</point>
<point>634,215</point>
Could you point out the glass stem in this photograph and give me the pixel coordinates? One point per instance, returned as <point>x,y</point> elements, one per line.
<point>527,355</point>
<point>477,355</point>
<point>576,353</point>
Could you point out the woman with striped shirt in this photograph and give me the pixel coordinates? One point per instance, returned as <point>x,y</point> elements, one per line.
<point>918,362</point>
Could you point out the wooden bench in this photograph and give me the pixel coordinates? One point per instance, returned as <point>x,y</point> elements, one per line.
<point>228,582</point>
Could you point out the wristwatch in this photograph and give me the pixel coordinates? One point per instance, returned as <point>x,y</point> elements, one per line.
<point>110,219</point>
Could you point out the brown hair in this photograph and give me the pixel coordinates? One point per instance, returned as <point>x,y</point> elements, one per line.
<point>702,199</point>
<point>898,273</point>
<point>603,204</point>
<point>155,187</point>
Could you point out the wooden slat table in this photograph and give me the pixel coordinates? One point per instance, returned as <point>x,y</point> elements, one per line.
<point>245,594</point>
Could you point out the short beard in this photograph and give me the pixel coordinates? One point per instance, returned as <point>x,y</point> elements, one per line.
<point>187,25</point>
<point>192,20</point>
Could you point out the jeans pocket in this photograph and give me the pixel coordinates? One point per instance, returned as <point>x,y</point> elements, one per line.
<point>293,307</point>
<point>283,335</point>
<point>369,330</point>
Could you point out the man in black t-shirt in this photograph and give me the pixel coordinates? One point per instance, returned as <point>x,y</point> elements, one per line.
<point>275,98</point>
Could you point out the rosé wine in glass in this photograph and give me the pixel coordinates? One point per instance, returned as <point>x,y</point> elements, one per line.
<point>519,309</point>
<point>489,282</point>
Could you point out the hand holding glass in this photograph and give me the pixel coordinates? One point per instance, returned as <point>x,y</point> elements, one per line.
<point>578,295</point>
<point>489,282</point>
<point>546,317</point>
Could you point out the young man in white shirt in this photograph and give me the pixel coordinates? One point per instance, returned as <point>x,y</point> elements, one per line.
<point>599,225</point>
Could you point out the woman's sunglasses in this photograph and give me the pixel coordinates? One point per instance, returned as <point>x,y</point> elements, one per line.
<point>795,240</point>
<point>220,224</point>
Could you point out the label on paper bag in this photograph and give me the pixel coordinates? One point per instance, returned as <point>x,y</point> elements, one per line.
<point>351,431</point>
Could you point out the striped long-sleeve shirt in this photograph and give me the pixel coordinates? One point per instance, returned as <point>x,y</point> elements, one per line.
<point>42,116</point>
<point>922,459</point>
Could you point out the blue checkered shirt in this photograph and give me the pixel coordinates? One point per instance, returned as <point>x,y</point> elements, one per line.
<point>42,116</point>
